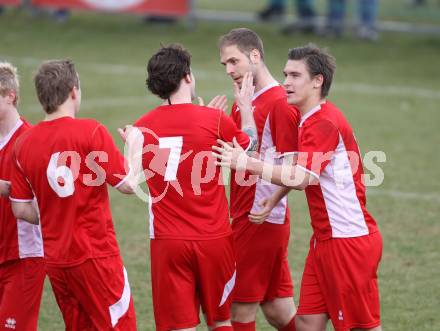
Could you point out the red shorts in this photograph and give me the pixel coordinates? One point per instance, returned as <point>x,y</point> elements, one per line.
<point>263,272</point>
<point>94,295</point>
<point>21,287</point>
<point>188,274</point>
<point>340,279</point>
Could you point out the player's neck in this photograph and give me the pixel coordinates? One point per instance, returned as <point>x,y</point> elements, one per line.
<point>263,79</point>
<point>310,104</point>
<point>179,97</point>
<point>8,121</point>
<point>62,111</point>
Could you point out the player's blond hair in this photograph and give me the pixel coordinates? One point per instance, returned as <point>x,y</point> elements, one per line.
<point>245,39</point>
<point>9,80</point>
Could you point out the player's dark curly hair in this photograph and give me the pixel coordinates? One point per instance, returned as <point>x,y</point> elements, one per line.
<point>166,69</point>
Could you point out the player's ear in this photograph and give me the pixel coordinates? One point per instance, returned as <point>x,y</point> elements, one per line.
<point>188,78</point>
<point>12,97</point>
<point>74,92</point>
<point>255,56</point>
<point>318,81</point>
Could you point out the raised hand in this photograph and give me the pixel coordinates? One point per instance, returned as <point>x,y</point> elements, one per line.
<point>125,132</point>
<point>218,102</point>
<point>243,96</point>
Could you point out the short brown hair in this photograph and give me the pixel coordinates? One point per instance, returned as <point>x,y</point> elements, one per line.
<point>318,62</point>
<point>245,39</point>
<point>166,68</point>
<point>54,81</point>
<point>9,80</point>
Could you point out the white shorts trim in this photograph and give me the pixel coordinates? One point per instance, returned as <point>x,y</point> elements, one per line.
<point>228,289</point>
<point>120,308</point>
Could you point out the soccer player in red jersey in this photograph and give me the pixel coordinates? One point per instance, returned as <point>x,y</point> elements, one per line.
<point>263,273</point>
<point>192,257</point>
<point>21,247</point>
<point>340,275</point>
<point>65,163</point>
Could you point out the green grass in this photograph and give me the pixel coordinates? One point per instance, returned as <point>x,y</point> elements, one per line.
<point>388,90</point>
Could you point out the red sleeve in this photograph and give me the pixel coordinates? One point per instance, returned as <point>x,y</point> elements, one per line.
<point>317,145</point>
<point>114,166</point>
<point>21,190</point>
<point>284,121</point>
<point>228,130</point>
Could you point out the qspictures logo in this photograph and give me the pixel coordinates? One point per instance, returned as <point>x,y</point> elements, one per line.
<point>166,155</point>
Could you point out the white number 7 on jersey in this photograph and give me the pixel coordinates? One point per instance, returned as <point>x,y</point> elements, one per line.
<point>175,144</point>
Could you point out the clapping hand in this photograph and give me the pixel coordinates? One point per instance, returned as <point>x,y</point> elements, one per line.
<point>218,102</point>
<point>233,157</point>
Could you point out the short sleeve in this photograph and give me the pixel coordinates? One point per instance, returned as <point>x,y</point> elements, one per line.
<point>114,167</point>
<point>318,142</point>
<point>228,130</point>
<point>284,122</point>
<point>21,190</point>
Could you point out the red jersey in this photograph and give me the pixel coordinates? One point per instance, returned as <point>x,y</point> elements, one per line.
<point>65,163</point>
<point>328,150</point>
<point>187,196</point>
<point>18,239</point>
<point>277,126</point>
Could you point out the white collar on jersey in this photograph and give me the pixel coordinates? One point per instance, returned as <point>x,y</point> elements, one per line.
<point>260,92</point>
<point>310,113</point>
<point>264,89</point>
<point>8,137</point>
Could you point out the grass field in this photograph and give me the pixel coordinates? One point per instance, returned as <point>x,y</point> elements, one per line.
<point>390,92</point>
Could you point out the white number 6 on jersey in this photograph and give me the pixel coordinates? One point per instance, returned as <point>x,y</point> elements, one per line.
<point>53,173</point>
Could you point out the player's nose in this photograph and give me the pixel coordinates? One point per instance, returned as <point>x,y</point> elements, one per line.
<point>229,69</point>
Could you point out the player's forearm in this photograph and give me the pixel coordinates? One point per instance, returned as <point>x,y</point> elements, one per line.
<point>248,126</point>
<point>25,211</point>
<point>267,171</point>
<point>134,159</point>
<point>131,183</point>
<point>286,175</point>
<point>280,193</point>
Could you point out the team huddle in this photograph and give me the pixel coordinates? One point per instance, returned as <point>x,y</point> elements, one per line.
<point>55,217</point>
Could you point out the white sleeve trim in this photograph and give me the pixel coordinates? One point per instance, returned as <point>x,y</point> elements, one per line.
<point>123,180</point>
<point>308,171</point>
<point>9,135</point>
<point>20,200</point>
